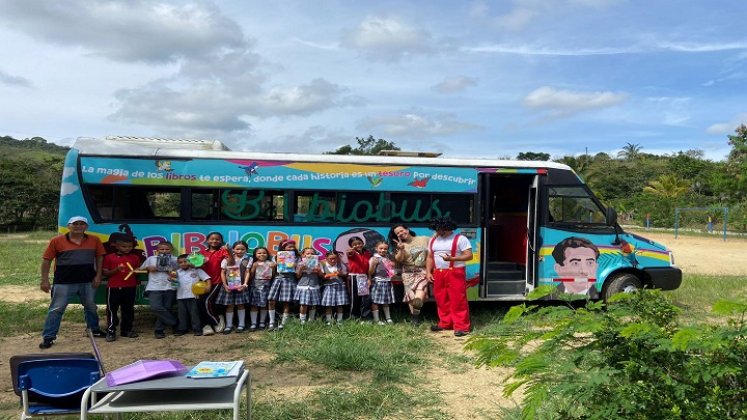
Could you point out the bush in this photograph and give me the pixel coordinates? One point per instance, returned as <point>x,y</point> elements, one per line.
<point>630,359</point>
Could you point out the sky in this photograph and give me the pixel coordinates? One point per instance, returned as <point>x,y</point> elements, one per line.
<point>468,79</point>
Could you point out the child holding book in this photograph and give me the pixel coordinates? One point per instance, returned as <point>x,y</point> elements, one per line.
<point>234,293</point>
<point>186,302</point>
<point>283,287</point>
<point>121,286</point>
<point>307,291</point>
<point>334,295</point>
<point>160,289</point>
<point>380,272</point>
<point>261,277</point>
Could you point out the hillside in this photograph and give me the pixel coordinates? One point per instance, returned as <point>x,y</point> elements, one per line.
<point>35,148</point>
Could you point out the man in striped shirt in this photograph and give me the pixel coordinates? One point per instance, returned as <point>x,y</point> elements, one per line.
<point>77,272</point>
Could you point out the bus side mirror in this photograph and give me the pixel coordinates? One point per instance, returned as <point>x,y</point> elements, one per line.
<point>611,216</point>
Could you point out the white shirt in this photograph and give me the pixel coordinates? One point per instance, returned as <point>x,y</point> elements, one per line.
<point>442,246</point>
<point>187,278</point>
<point>158,280</point>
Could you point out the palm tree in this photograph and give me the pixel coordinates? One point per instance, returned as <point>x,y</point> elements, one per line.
<point>630,151</point>
<point>667,186</point>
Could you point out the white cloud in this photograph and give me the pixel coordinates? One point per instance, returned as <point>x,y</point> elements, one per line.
<point>414,125</point>
<point>675,110</point>
<point>388,39</point>
<point>728,128</point>
<point>11,80</point>
<point>136,30</point>
<point>560,103</point>
<point>454,84</point>
<point>315,139</point>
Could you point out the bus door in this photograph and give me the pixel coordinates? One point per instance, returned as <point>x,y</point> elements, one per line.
<point>509,203</point>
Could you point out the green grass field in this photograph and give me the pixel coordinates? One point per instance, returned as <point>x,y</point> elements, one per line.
<point>388,360</point>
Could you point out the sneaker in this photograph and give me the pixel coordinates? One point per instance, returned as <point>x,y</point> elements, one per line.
<point>160,334</point>
<point>436,328</point>
<point>46,343</point>
<point>253,327</point>
<point>239,330</point>
<point>281,326</point>
<point>198,333</point>
<point>227,330</point>
<point>130,334</point>
<point>460,333</point>
<point>389,321</point>
<point>98,333</point>
<point>111,337</point>
<point>221,324</point>
<point>382,323</point>
<point>179,333</point>
<point>207,330</point>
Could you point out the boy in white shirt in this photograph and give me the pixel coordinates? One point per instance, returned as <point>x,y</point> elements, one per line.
<point>186,301</point>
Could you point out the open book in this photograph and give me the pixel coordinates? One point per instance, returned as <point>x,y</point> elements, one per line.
<point>209,369</point>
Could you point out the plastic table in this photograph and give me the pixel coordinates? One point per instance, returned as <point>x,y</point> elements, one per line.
<point>175,393</point>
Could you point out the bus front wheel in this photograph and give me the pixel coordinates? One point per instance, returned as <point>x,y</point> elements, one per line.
<point>622,283</point>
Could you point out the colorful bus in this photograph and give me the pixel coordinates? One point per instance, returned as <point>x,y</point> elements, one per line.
<point>530,223</point>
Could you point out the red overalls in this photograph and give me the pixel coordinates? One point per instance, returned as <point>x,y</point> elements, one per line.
<point>450,292</point>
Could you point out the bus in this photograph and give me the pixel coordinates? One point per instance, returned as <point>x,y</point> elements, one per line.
<point>530,223</point>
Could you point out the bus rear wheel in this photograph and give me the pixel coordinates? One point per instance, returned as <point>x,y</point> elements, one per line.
<point>622,283</point>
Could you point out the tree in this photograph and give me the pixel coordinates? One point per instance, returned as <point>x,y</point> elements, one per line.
<point>533,156</point>
<point>736,163</point>
<point>630,151</point>
<point>367,146</point>
<point>667,186</point>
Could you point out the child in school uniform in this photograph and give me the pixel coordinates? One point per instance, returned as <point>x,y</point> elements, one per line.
<point>283,287</point>
<point>380,272</point>
<point>334,294</point>
<point>260,276</point>
<point>358,259</point>
<point>186,302</point>
<point>307,291</point>
<point>121,286</point>
<point>160,289</point>
<point>211,313</point>
<point>234,293</point>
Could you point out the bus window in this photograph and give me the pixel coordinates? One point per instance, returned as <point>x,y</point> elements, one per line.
<point>314,207</point>
<point>252,205</point>
<point>203,203</point>
<point>573,205</point>
<point>408,207</point>
<point>121,203</point>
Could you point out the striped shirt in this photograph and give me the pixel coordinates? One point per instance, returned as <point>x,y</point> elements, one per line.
<point>74,263</point>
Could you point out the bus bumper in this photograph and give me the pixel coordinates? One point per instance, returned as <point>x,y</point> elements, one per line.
<point>664,278</point>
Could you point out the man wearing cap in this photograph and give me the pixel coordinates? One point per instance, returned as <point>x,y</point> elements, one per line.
<point>78,264</point>
<point>445,268</point>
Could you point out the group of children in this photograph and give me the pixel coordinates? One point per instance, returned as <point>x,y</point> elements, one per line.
<point>234,280</point>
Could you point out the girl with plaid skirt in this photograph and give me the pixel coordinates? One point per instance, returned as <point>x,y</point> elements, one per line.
<point>283,288</point>
<point>260,276</point>
<point>307,291</point>
<point>380,272</point>
<point>334,294</point>
<point>235,293</point>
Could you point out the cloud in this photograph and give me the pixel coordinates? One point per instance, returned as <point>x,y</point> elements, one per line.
<point>387,39</point>
<point>562,103</point>
<point>315,139</point>
<point>454,84</point>
<point>727,128</point>
<point>135,30</point>
<point>414,125</point>
<point>521,13</point>
<point>675,110</point>
<point>11,80</point>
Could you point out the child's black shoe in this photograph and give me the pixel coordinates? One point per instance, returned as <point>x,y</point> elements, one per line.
<point>47,343</point>
<point>111,337</point>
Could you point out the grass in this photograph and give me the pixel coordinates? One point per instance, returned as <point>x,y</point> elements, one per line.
<point>358,370</point>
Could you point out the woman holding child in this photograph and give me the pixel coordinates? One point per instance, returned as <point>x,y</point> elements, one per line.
<point>410,254</point>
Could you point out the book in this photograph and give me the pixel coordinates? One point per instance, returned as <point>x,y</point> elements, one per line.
<point>286,261</point>
<point>208,369</point>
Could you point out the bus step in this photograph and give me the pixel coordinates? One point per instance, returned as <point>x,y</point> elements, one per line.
<point>504,275</point>
<point>504,266</point>
<point>513,287</point>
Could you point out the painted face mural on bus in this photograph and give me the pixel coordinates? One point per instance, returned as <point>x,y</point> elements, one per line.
<point>576,265</point>
<point>370,237</point>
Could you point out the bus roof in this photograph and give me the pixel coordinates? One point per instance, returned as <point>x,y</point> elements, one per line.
<point>164,148</point>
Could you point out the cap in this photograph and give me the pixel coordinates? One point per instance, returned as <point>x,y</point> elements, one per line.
<point>77,219</point>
